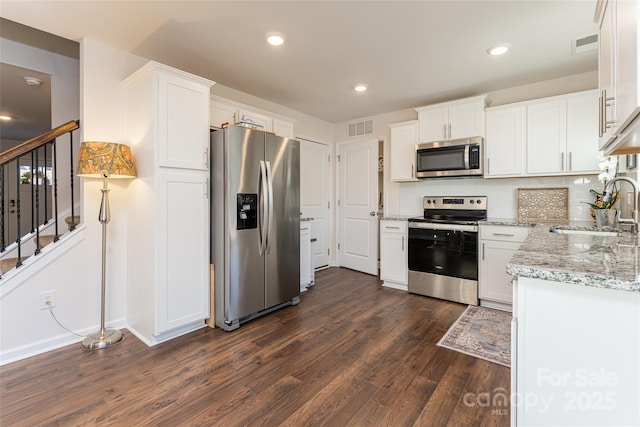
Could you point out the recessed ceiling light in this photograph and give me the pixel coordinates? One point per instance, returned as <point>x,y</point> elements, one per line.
<point>275,39</point>
<point>360,88</point>
<point>5,118</point>
<point>498,50</point>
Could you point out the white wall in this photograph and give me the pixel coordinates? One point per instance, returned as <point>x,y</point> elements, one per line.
<point>75,276</point>
<point>65,97</point>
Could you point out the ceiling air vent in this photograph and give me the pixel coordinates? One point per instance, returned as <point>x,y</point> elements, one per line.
<point>364,127</point>
<point>584,44</point>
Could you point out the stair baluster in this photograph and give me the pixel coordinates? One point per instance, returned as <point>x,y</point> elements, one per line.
<point>55,190</point>
<point>46,190</point>
<point>19,233</point>
<point>73,215</point>
<point>37,203</point>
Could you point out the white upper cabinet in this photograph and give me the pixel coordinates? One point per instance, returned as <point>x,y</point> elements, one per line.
<point>283,128</point>
<point>451,120</point>
<point>223,111</point>
<point>546,136</point>
<point>180,114</point>
<point>582,128</point>
<point>505,141</point>
<point>619,72</point>
<point>252,118</point>
<point>562,135</point>
<point>404,137</point>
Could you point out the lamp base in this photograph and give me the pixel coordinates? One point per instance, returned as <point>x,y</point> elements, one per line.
<point>102,340</point>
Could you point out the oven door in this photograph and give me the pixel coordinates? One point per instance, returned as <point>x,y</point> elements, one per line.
<point>443,261</point>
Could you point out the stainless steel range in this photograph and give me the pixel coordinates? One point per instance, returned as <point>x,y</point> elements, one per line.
<point>443,248</point>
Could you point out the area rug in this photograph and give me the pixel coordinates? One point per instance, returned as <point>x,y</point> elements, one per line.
<point>481,332</point>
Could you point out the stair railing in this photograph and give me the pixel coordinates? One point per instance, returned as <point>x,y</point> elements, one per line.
<point>38,179</point>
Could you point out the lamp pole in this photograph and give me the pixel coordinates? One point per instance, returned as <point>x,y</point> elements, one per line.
<point>104,337</point>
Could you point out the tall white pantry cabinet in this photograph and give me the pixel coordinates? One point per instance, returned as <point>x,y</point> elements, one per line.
<point>168,204</point>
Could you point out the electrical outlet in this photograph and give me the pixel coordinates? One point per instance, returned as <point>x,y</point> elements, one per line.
<point>47,299</point>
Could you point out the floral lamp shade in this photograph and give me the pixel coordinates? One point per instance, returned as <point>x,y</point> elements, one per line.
<point>105,160</point>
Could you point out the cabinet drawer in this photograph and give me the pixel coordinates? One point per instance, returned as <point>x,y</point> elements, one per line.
<point>393,227</point>
<point>506,233</point>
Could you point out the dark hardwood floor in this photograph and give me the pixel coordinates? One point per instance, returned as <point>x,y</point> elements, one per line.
<point>351,354</point>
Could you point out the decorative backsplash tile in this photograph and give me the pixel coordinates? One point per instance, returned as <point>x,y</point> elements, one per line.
<point>547,204</point>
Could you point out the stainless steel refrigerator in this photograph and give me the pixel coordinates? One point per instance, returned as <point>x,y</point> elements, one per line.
<point>255,223</point>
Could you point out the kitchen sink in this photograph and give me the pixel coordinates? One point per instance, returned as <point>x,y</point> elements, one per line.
<point>588,232</point>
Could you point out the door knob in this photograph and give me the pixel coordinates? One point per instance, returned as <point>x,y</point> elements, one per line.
<point>372,213</point>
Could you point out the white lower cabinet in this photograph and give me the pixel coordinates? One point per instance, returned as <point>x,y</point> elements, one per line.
<point>577,355</point>
<point>394,270</point>
<point>498,243</point>
<point>306,270</point>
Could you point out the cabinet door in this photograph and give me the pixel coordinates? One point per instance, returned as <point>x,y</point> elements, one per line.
<point>433,124</point>
<point>546,136</point>
<point>403,140</point>
<point>251,117</point>
<point>582,133</point>
<point>221,113</point>
<point>466,120</point>
<point>504,144</point>
<point>493,281</point>
<point>283,128</point>
<point>183,123</point>
<point>393,257</point>
<point>627,98</point>
<point>606,71</point>
<point>183,250</point>
<point>305,254</point>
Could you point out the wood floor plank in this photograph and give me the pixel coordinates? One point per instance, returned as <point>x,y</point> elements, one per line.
<point>351,353</point>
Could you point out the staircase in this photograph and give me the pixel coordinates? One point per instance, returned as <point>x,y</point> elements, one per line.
<point>33,174</point>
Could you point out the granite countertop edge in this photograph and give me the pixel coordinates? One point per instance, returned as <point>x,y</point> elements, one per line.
<point>586,260</point>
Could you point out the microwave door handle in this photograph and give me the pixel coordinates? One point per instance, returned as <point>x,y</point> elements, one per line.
<point>466,156</point>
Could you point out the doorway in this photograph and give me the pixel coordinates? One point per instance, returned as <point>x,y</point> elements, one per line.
<point>358,205</point>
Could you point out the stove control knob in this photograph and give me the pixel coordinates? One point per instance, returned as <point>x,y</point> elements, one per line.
<point>471,201</point>
<point>478,201</point>
<point>434,201</point>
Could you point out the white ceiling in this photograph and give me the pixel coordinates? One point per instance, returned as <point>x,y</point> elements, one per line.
<point>409,53</point>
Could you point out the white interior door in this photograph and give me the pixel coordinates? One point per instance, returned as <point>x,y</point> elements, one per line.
<point>358,205</point>
<point>315,194</point>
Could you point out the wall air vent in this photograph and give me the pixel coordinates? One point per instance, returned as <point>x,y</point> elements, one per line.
<point>584,44</point>
<point>364,127</point>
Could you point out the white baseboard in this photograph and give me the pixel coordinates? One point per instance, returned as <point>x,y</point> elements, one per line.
<point>174,333</point>
<point>497,305</point>
<point>53,343</point>
<point>395,286</point>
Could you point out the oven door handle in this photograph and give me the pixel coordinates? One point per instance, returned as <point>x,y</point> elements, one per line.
<point>438,226</point>
<point>466,156</point>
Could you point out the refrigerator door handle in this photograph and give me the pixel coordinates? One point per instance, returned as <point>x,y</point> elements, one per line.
<point>263,214</point>
<point>270,207</point>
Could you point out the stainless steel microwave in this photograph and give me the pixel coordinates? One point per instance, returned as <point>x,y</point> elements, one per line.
<point>457,157</point>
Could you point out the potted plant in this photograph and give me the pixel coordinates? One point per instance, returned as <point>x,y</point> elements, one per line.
<point>603,208</point>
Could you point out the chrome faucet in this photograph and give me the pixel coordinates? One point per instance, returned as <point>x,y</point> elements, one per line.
<point>634,219</point>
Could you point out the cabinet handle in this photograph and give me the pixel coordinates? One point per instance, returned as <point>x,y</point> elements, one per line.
<point>570,161</point>
<point>483,251</point>
<point>388,227</point>
<point>449,130</point>
<point>206,158</point>
<point>413,175</point>
<point>402,243</point>
<point>562,161</point>
<point>600,117</point>
<point>444,129</point>
<point>488,166</point>
<point>606,124</point>
<point>206,188</point>
<point>503,234</point>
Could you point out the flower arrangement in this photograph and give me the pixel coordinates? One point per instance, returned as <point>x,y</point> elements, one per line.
<point>608,170</point>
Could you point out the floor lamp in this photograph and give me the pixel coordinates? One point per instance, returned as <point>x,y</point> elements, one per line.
<point>104,160</point>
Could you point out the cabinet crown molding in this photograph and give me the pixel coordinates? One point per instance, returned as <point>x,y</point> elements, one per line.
<point>482,98</point>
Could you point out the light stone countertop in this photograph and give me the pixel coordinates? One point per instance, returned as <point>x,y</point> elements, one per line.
<point>587,260</point>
